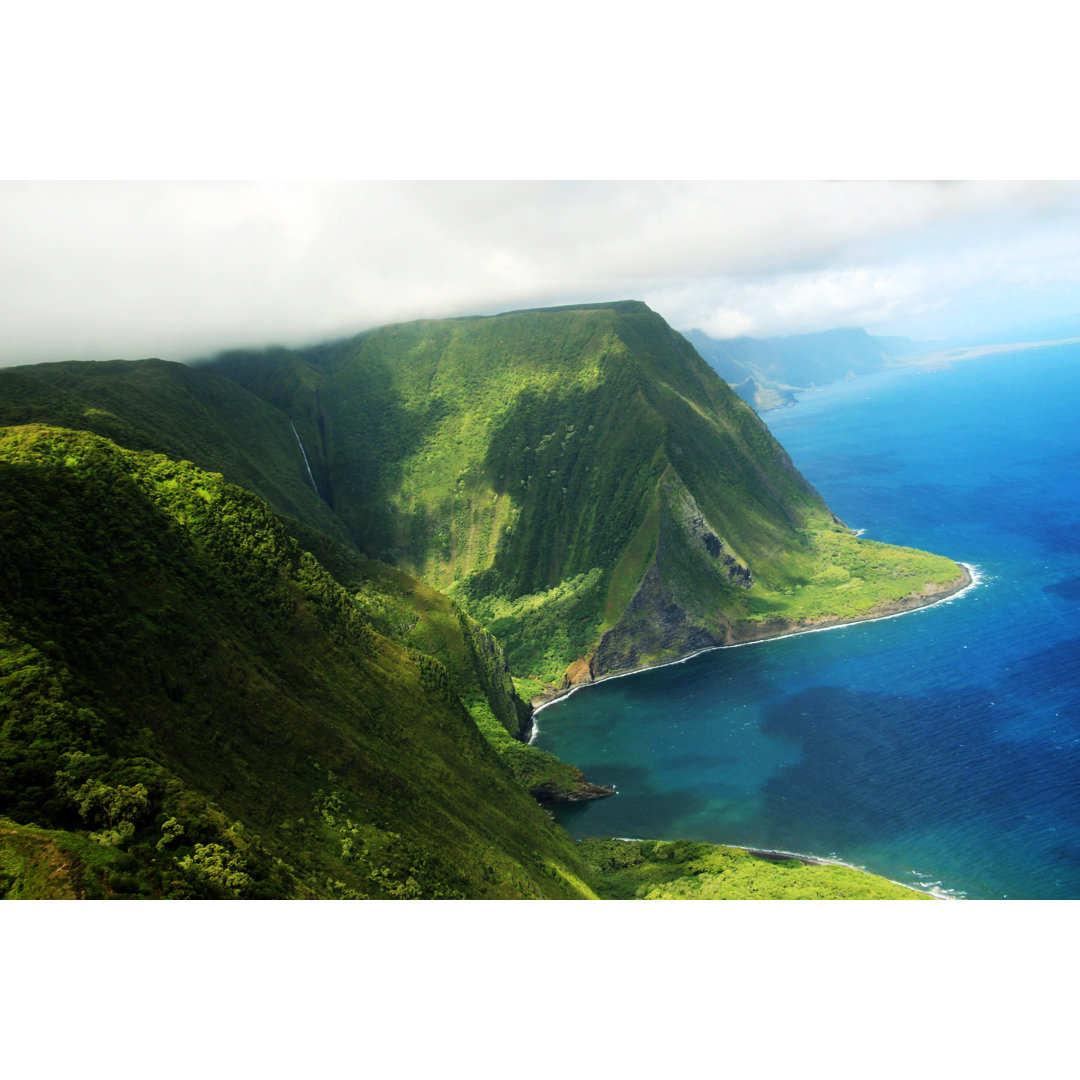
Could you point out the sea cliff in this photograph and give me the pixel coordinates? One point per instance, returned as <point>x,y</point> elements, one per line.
<point>590,670</point>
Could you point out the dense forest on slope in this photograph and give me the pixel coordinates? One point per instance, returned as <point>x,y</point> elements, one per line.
<point>180,412</point>
<point>213,682</point>
<point>194,696</point>
<point>421,618</point>
<point>577,479</point>
<point>190,414</point>
<point>194,708</point>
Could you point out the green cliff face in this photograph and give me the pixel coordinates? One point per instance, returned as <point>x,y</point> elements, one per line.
<point>579,481</point>
<point>177,411</point>
<point>193,707</point>
<point>191,414</point>
<point>422,619</point>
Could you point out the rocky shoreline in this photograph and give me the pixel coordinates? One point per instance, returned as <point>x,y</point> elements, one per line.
<point>549,793</point>
<point>581,673</point>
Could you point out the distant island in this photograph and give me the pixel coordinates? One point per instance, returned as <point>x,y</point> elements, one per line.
<point>771,373</point>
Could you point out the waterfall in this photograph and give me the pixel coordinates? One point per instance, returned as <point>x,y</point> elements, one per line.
<point>307,465</point>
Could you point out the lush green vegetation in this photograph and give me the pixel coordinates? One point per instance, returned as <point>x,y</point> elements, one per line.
<point>538,465</point>
<point>419,617</point>
<point>849,578</point>
<point>183,413</point>
<point>209,419</point>
<point>543,468</point>
<point>683,870</point>
<point>203,694</point>
<point>193,707</point>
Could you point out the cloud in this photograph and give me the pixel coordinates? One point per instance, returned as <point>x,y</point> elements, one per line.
<point>101,270</point>
<point>790,303</point>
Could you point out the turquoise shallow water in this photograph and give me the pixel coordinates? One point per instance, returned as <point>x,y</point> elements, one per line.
<point>939,748</point>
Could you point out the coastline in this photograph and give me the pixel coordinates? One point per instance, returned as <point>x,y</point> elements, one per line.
<point>973,352</point>
<point>969,580</point>
<point>931,891</point>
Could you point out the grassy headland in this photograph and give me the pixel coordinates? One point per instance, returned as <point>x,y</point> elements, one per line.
<point>684,870</point>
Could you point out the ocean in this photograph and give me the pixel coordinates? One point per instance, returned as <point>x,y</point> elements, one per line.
<point>940,748</point>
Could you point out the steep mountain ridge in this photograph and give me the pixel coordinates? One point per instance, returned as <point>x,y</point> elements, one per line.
<point>577,478</point>
<point>189,414</point>
<point>178,411</point>
<point>194,707</point>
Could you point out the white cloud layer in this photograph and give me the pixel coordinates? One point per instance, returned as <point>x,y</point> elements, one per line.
<point>101,270</point>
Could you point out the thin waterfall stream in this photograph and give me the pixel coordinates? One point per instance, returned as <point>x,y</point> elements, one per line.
<point>307,464</point>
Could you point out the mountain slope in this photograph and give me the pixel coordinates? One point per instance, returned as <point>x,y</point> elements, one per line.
<point>180,412</point>
<point>407,611</point>
<point>190,414</point>
<point>577,479</point>
<point>580,481</point>
<point>193,707</point>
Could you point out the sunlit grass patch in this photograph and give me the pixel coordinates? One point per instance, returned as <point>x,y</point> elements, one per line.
<point>850,578</point>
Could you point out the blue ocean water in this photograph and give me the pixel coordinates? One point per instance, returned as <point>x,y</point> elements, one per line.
<point>940,748</point>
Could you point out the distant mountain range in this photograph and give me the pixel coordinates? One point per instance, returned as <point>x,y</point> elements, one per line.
<point>768,373</point>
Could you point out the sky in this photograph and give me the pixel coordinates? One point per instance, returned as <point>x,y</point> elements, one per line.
<point>181,269</point>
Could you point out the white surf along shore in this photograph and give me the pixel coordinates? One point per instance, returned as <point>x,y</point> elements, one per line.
<point>929,888</point>
<point>977,579</point>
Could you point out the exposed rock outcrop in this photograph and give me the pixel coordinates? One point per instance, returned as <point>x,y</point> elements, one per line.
<point>654,627</point>
<point>584,792</point>
<point>660,622</point>
<point>687,516</point>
